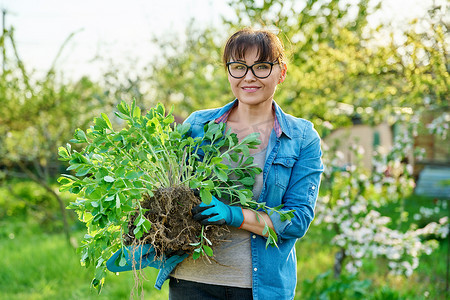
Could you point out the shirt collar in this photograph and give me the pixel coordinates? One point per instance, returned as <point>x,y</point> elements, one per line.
<point>224,117</point>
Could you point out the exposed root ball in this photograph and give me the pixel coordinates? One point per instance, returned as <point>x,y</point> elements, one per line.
<point>173,228</point>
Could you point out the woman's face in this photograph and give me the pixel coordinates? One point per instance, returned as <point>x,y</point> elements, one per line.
<point>251,90</point>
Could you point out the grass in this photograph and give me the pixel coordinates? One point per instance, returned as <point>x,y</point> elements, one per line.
<point>43,266</point>
<point>37,263</point>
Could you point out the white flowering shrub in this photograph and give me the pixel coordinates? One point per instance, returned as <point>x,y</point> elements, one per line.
<point>440,125</point>
<point>425,213</point>
<point>352,203</point>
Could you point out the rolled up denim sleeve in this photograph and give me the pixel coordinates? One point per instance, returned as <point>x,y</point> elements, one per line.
<point>190,119</point>
<point>302,190</point>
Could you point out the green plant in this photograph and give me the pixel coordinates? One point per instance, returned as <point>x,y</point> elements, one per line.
<point>117,173</point>
<point>345,287</point>
<point>386,293</point>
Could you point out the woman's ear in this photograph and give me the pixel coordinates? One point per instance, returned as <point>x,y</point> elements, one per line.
<point>283,73</point>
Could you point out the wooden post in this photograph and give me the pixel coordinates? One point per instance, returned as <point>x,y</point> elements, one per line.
<point>448,256</point>
<point>4,40</point>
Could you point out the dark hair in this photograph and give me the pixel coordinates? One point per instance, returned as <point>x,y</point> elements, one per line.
<point>269,46</point>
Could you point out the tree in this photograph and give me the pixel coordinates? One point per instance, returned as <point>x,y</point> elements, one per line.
<point>37,116</point>
<point>341,66</point>
<point>189,73</point>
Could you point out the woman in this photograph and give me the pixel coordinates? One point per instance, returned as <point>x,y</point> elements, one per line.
<point>290,157</point>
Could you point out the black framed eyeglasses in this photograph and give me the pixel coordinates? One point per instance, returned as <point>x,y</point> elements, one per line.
<point>260,70</point>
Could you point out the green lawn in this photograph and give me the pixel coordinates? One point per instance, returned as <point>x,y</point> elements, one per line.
<point>43,266</point>
<point>40,265</point>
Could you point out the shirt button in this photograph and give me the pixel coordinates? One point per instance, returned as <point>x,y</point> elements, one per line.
<point>255,269</point>
<point>313,187</point>
<point>254,236</point>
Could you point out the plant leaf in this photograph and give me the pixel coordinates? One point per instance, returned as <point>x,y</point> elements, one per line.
<point>242,198</point>
<point>80,135</point>
<point>117,201</point>
<point>196,254</point>
<point>206,196</point>
<point>108,123</point>
<point>131,175</point>
<point>108,179</point>
<point>208,250</point>
<point>221,174</point>
<point>121,115</point>
<point>234,156</point>
<point>136,112</point>
<point>63,152</point>
<point>216,160</point>
<point>123,108</point>
<point>183,128</point>
<point>123,260</point>
<point>83,171</point>
<point>207,184</point>
<point>247,181</point>
<point>266,229</point>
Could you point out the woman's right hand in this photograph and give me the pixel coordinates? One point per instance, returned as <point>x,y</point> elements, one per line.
<point>139,257</point>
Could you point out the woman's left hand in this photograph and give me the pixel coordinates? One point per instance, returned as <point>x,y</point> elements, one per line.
<point>218,213</point>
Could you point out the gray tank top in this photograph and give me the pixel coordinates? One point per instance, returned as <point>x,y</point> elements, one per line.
<point>232,261</point>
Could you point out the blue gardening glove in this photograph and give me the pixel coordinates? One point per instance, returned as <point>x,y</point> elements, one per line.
<point>141,256</point>
<point>218,213</point>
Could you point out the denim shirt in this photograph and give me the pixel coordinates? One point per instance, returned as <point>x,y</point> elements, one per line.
<point>291,176</point>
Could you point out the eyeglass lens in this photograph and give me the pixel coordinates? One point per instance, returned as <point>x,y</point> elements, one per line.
<point>260,70</point>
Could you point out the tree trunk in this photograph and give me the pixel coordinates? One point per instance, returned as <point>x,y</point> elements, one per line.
<point>338,260</point>
<point>44,184</point>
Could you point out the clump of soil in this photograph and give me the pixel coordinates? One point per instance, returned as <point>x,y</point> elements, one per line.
<point>173,228</point>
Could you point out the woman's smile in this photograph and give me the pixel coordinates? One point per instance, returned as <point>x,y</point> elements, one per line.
<point>250,88</point>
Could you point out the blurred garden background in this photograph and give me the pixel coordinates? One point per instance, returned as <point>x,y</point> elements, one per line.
<point>374,82</point>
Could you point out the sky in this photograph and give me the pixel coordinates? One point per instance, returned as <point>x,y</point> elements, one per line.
<point>121,30</point>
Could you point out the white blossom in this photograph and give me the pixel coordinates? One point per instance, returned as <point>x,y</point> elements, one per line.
<point>362,231</point>
<point>351,268</point>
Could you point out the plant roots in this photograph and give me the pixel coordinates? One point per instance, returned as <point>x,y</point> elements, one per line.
<point>173,228</point>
